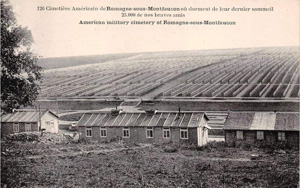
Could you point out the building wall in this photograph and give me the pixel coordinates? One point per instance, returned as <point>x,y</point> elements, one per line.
<point>81,132</point>
<point>49,128</point>
<point>202,136</point>
<point>270,136</point>
<point>250,137</point>
<point>292,137</point>
<point>193,136</point>
<point>138,135</point>
<point>95,133</point>
<point>7,127</point>
<point>205,135</point>
<point>202,132</point>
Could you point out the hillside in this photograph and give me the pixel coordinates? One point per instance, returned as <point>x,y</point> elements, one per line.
<point>63,62</point>
<point>256,73</point>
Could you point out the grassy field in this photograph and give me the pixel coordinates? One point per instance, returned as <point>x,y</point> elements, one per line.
<point>52,161</point>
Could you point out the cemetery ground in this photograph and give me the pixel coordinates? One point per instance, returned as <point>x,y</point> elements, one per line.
<point>50,160</point>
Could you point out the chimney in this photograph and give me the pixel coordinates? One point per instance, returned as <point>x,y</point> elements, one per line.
<point>151,112</point>
<point>116,112</point>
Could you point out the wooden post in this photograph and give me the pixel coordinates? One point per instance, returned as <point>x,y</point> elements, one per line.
<point>40,120</point>
<point>57,116</point>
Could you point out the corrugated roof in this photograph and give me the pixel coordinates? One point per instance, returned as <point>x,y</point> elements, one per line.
<point>239,120</point>
<point>217,119</point>
<point>263,121</point>
<point>23,116</point>
<point>165,119</point>
<point>288,121</point>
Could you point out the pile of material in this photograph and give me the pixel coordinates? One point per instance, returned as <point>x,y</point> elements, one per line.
<point>22,137</point>
<point>47,137</point>
<point>44,137</point>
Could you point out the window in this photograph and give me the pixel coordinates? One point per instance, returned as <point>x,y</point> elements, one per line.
<point>34,126</point>
<point>183,133</point>
<point>27,127</point>
<point>126,132</point>
<point>88,131</point>
<point>47,123</point>
<point>16,127</point>
<point>166,133</point>
<point>149,132</point>
<point>260,135</point>
<point>239,135</point>
<point>281,136</point>
<point>103,132</point>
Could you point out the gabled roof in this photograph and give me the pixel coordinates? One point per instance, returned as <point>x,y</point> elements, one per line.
<point>25,116</point>
<point>288,121</point>
<point>159,119</point>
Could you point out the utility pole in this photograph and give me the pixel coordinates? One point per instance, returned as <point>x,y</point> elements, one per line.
<point>57,110</point>
<point>40,120</point>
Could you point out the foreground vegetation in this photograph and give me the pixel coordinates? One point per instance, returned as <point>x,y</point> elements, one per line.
<point>54,161</point>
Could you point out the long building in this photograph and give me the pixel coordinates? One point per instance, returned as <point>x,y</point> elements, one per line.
<point>145,127</point>
<point>28,121</point>
<point>272,127</point>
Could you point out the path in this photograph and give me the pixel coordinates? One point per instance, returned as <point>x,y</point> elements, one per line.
<point>104,151</point>
<point>98,151</point>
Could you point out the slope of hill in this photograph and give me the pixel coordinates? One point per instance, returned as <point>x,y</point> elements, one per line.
<point>63,62</point>
<point>254,73</point>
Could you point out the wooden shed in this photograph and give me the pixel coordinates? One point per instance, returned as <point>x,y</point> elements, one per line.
<point>28,121</point>
<point>145,127</point>
<point>271,127</point>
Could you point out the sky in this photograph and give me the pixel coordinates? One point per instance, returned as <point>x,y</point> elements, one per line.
<point>59,34</point>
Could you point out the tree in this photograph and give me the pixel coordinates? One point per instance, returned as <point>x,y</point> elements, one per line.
<point>20,74</point>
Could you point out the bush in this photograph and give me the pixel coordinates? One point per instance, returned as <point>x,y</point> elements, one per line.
<point>270,147</point>
<point>285,174</point>
<point>244,145</point>
<point>188,146</point>
<point>116,139</point>
<point>213,145</point>
<point>171,148</point>
<point>84,141</point>
<point>22,137</point>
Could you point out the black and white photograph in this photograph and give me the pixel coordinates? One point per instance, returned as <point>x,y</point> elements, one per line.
<point>148,93</point>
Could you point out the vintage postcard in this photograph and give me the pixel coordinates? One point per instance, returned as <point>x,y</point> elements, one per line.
<point>148,93</point>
